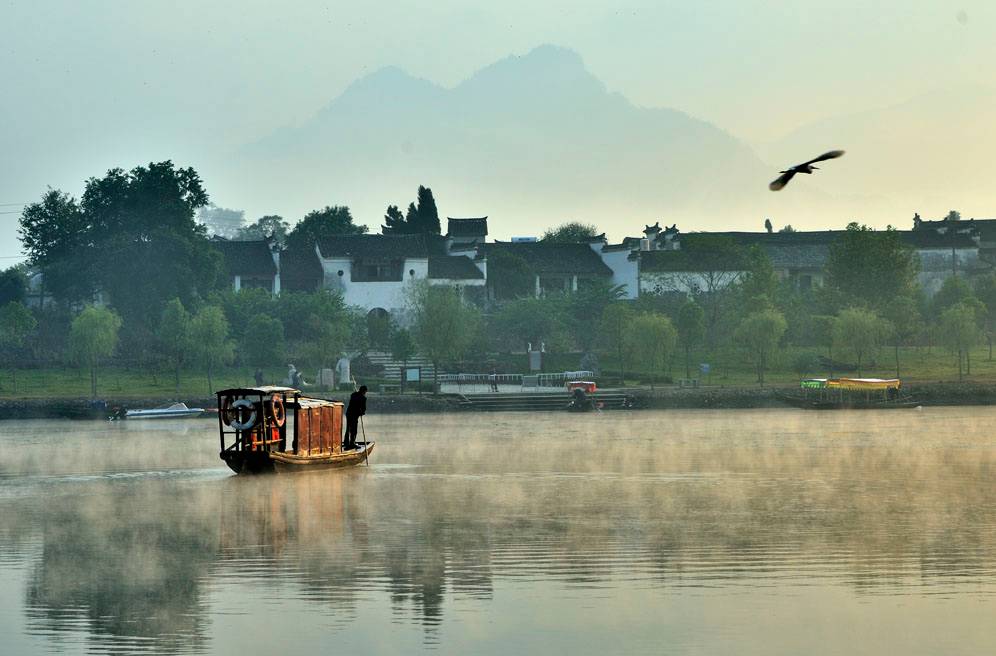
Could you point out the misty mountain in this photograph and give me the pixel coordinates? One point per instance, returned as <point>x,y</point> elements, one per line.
<point>927,154</point>
<point>530,140</point>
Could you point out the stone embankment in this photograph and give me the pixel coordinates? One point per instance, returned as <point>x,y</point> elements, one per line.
<point>663,398</point>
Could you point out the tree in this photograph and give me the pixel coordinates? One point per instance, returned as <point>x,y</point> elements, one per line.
<point>394,221</point>
<point>428,215</point>
<point>174,337</point>
<point>768,227</point>
<point>402,349</point>
<point>132,236</point>
<point>614,329</point>
<point>691,330</point>
<point>93,337</point>
<point>509,275</point>
<point>571,232</point>
<point>985,291</point>
<point>327,222</point>
<point>422,217</point>
<point>758,281</point>
<point>859,332</point>
<point>959,331</point>
<point>209,340</point>
<point>533,321</point>
<point>714,264</point>
<point>869,267</point>
<point>221,221</point>
<point>270,226</point>
<point>300,268</point>
<point>760,334</point>
<point>54,232</point>
<point>327,339</point>
<point>13,285</point>
<point>903,317</point>
<point>443,325</point>
<point>263,341</point>
<point>787,228</point>
<point>589,301</point>
<point>16,323</point>
<point>657,335</point>
<point>953,291</point>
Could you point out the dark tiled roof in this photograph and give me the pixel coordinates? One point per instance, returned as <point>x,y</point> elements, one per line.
<point>453,267</point>
<point>912,238</point>
<point>381,246</point>
<point>300,269</point>
<point>688,260</point>
<point>246,258</point>
<point>931,239</point>
<point>797,256</point>
<point>467,227</point>
<point>554,258</point>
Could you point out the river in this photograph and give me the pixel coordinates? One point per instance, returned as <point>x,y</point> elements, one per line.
<point>691,532</point>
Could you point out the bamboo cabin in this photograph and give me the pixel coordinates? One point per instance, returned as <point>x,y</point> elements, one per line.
<point>275,429</point>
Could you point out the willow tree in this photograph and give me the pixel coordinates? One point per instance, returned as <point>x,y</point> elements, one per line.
<point>656,336</point>
<point>209,340</point>
<point>859,332</point>
<point>760,334</point>
<point>960,331</point>
<point>443,326</point>
<point>93,336</point>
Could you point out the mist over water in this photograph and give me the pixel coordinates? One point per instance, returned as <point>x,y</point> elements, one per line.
<point>752,532</point>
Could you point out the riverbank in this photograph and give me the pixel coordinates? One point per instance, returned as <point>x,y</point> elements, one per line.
<point>661,398</point>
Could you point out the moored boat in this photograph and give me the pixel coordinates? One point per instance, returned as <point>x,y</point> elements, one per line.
<point>275,429</point>
<point>850,393</point>
<point>170,411</point>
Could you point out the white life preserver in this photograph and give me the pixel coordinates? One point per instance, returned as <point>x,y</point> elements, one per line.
<point>235,408</point>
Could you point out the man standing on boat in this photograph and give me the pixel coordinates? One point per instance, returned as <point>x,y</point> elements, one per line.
<point>357,408</point>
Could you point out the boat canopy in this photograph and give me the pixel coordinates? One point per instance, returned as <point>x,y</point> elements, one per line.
<point>264,390</point>
<point>860,384</point>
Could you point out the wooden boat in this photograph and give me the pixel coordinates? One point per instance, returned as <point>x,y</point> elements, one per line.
<point>275,429</point>
<point>850,394</point>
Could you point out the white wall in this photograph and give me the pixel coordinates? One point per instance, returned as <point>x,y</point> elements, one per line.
<point>390,295</point>
<point>685,281</point>
<point>624,270</point>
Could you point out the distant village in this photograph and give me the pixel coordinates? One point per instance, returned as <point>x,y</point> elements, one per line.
<point>370,271</point>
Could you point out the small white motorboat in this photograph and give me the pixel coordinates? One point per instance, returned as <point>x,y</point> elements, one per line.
<point>171,411</point>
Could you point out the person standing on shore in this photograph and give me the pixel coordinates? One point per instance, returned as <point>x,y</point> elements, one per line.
<point>357,408</point>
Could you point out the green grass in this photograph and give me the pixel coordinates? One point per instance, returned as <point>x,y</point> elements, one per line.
<point>729,367</point>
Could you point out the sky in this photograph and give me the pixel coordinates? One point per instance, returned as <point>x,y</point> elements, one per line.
<point>87,85</point>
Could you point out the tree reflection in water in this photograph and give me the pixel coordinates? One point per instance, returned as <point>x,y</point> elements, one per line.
<point>748,501</point>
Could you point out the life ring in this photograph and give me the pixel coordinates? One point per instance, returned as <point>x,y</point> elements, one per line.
<point>278,410</point>
<point>236,408</point>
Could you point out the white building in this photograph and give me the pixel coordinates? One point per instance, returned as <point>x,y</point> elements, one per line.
<point>374,271</point>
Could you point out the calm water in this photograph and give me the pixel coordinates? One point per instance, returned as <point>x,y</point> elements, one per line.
<point>753,532</point>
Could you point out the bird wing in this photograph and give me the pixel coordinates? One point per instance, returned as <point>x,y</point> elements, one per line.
<point>833,154</point>
<point>781,180</point>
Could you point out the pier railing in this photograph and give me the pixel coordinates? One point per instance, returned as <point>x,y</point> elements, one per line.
<point>511,382</point>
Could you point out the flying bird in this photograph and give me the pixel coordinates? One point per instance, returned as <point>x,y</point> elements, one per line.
<point>805,167</point>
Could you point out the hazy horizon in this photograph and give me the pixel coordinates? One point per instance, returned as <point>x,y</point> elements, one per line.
<point>96,85</point>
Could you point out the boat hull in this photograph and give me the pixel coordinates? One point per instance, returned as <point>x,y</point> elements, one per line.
<point>152,414</point>
<point>262,462</point>
<point>814,404</point>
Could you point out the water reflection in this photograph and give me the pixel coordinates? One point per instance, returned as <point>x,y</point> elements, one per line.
<point>504,517</point>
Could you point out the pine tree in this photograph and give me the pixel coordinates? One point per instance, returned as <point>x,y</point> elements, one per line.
<point>394,222</point>
<point>428,215</point>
